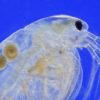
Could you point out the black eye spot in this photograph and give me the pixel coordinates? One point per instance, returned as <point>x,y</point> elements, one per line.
<point>78,25</point>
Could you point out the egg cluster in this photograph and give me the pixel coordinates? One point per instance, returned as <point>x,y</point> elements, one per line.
<point>10,52</point>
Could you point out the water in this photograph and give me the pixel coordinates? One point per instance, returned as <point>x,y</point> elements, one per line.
<point>15,14</point>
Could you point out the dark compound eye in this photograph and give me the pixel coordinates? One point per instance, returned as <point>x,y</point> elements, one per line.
<point>78,25</point>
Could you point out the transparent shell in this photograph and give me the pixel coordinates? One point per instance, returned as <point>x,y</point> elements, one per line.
<point>41,60</point>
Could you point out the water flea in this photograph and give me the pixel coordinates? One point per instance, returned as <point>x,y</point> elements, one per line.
<point>51,67</point>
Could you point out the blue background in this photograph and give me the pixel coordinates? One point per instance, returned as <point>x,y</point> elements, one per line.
<point>15,14</point>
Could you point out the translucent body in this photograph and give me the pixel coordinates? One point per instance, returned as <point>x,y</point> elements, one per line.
<point>45,63</point>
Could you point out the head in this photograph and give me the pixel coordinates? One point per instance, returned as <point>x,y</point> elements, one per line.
<point>73,30</point>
